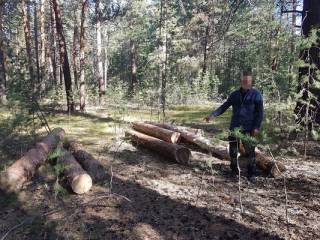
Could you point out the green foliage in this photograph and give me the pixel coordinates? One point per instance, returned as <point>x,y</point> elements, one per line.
<point>245,138</point>
<point>209,43</point>
<point>59,190</point>
<point>53,156</point>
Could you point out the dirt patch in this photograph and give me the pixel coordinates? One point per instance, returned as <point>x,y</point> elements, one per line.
<point>145,196</point>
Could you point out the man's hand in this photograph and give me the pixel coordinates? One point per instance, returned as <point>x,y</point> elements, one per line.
<point>255,132</point>
<point>207,119</point>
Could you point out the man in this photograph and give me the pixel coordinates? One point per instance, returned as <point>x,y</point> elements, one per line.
<point>247,114</point>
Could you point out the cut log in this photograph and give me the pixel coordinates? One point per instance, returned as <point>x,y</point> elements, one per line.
<point>196,131</point>
<point>23,169</point>
<point>174,152</point>
<point>157,132</point>
<point>186,135</point>
<point>86,160</point>
<point>73,174</point>
<point>267,165</point>
<point>264,163</point>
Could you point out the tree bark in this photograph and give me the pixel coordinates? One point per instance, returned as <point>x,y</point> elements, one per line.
<point>164,57</point>
<point>99,51</point>
<point>43,67</point>
<point>133,81</point>
<point>86,160</point>
<point>308,107</point>
<point>157,132</point>
<point>205,51</point>
<point>27,36</point>
<point>53,66</point>
<point>162,47</point>
<point>2,56</point>
<point>64,57</point>
<point>82,57</point>
<point>36,41</point>
<point>24,168</point>
<point>106,60</point>
<point>75,47</point>
<point>73,175</point>
<point>266,164</point>
<point>174,152</point>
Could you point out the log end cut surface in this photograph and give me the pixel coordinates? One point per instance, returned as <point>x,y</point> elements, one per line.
<point>183,156</point>
<point>175,138</point>
<point>81,183</point>
<point>12,181</point>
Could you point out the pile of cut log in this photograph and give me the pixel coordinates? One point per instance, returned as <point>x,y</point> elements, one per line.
<point>165,138</point>
<point>78,166</point>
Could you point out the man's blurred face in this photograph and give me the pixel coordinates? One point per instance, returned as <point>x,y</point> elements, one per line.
<point>246,82</point>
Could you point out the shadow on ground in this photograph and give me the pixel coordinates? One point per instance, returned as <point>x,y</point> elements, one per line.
<point>168,218</point>
<point>52,112</point>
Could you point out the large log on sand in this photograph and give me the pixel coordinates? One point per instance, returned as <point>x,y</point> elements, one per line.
<point>23,169</point>
<point>264,163</point>
<point>73,174</point>
<point>157,132</point>
<point>86,160</point>
<point>174,152</point>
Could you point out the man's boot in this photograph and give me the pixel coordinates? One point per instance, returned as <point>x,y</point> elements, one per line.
<point>252,172</point>
<point>233,167</point>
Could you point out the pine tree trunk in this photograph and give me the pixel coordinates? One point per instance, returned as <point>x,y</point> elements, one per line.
<point>2,57</point>
<point>308,108</point>
<point>133,81</point>
<point>60,69</point>
<point>75,46</point>
<point>53,66</point>
<point>106,61</point>
<point>99,51</point>
<point>163,63</point>
<point>82,57</point>
<point>36,42</point>
<point>43,45</point>
<point>205,51</point>
<point>64,57</point>
<point>27,36</point>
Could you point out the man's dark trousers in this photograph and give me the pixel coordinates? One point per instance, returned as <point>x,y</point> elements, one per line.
<point>234,146</point>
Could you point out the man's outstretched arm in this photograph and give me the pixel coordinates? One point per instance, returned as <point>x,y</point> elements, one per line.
<point>220,110</point>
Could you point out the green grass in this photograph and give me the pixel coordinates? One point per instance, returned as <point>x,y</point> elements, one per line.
<point>98,128</point>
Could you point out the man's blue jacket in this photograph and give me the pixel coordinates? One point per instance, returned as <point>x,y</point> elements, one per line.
<point>247,109</point>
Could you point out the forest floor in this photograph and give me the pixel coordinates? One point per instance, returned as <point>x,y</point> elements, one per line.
<point>147,197</point>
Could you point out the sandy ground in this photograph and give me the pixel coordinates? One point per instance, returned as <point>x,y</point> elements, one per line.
<point>145,196</point>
